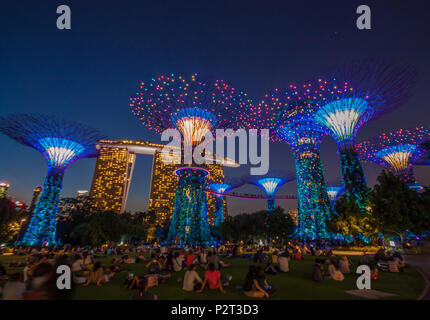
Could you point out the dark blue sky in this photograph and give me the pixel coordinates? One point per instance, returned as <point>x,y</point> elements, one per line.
<point>88,73</point>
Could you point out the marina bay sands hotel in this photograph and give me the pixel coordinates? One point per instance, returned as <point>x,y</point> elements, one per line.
<point>113,175</point>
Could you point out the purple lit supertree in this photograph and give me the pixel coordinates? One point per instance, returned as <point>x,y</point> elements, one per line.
<point>397,151</point>
<point>355,95</point>
<point>293,122</point>
<point>61,143</point>
<point>219,189</point>
<point>195,107</point>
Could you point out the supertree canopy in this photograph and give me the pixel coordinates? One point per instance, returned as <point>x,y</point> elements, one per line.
<point>334,192</point>
<point>192,105</point>
<point>195,107</point>
<point>352,97</point>
<point>270,183</point>
<point>219,190</point>
<point>397,151</point>
<point>61,143</point>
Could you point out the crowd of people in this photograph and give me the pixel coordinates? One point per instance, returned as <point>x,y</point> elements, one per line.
<point>200,268</point>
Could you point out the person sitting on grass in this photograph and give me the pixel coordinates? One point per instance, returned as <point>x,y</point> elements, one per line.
<point>215,260</point>
<point>317,271</point>
<point>213,279</point>
<point>203,256</point>
<point>251,288</point>
<point>344,265</point>
<point>190,258</point>
<point>14,289</point>
<point>259,256</point>
<point>78,264</point>
<point>131,282</point>
<point>96,275</point>
<point>374,273</point>
<point>334,271</point>
<point>297,254</point>
<point>177,262</point>
<point>143,293</point>
<point>128,260</point>
<point>283,261</point>
<point>191,276</point>
<point>262,281</point>
<point>154,266</point>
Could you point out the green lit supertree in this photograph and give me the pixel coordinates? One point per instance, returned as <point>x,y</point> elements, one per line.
<point>61,143</point>
<point>352,96</point>
<point>195,107</point>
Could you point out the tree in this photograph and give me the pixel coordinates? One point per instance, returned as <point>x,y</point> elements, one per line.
<point>257,225</point>
<point>280,224</point>
<point>10,217</point>
<point>349,219</point>
<point>397,208</point>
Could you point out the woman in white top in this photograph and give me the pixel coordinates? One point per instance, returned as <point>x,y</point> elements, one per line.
<point>283,261</point>
<point>190,277</point>
<point>177,263</point>
<point>78,264</point>
<point>203,257</point>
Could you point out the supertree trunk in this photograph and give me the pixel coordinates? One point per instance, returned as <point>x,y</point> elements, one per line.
<point>271,205</point>
<point>353,176</point>
<point>313,203</point>
<point>219,218</point>
<point>189,224</point>
<point>42,227</point>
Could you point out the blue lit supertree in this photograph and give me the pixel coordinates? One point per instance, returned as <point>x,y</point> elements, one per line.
<point>295,125</point>
<point>355,95</point>
<point>288,114</point>
<point>219,189</point>
<point>397,151</point>
<point>61,143</point>
<point>270,183</point>
<point>195,107</point>
<point>334,192</point>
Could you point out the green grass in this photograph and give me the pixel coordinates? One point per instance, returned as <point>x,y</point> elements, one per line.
<point>293,285</point>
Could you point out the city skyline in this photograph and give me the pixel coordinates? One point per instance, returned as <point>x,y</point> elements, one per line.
<point>97,75</point>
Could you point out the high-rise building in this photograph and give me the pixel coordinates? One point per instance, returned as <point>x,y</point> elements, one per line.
<point>3,189</point>
<point>36,195</point>
<point>114,170</point>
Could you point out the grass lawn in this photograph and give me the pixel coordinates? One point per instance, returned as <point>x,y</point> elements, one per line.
<point>293,285</point>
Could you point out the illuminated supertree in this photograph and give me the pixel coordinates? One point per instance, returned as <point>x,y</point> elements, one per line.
<point>334,192</point>
<point>219,189</point>
<point>270,183</point>
<point>194,107</point>
<point>352,97</point>
<point>295,125</point>
<point>61,143</point>
<point>397,151</point>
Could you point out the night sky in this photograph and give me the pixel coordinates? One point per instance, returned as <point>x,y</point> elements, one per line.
<point>88,73</point>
